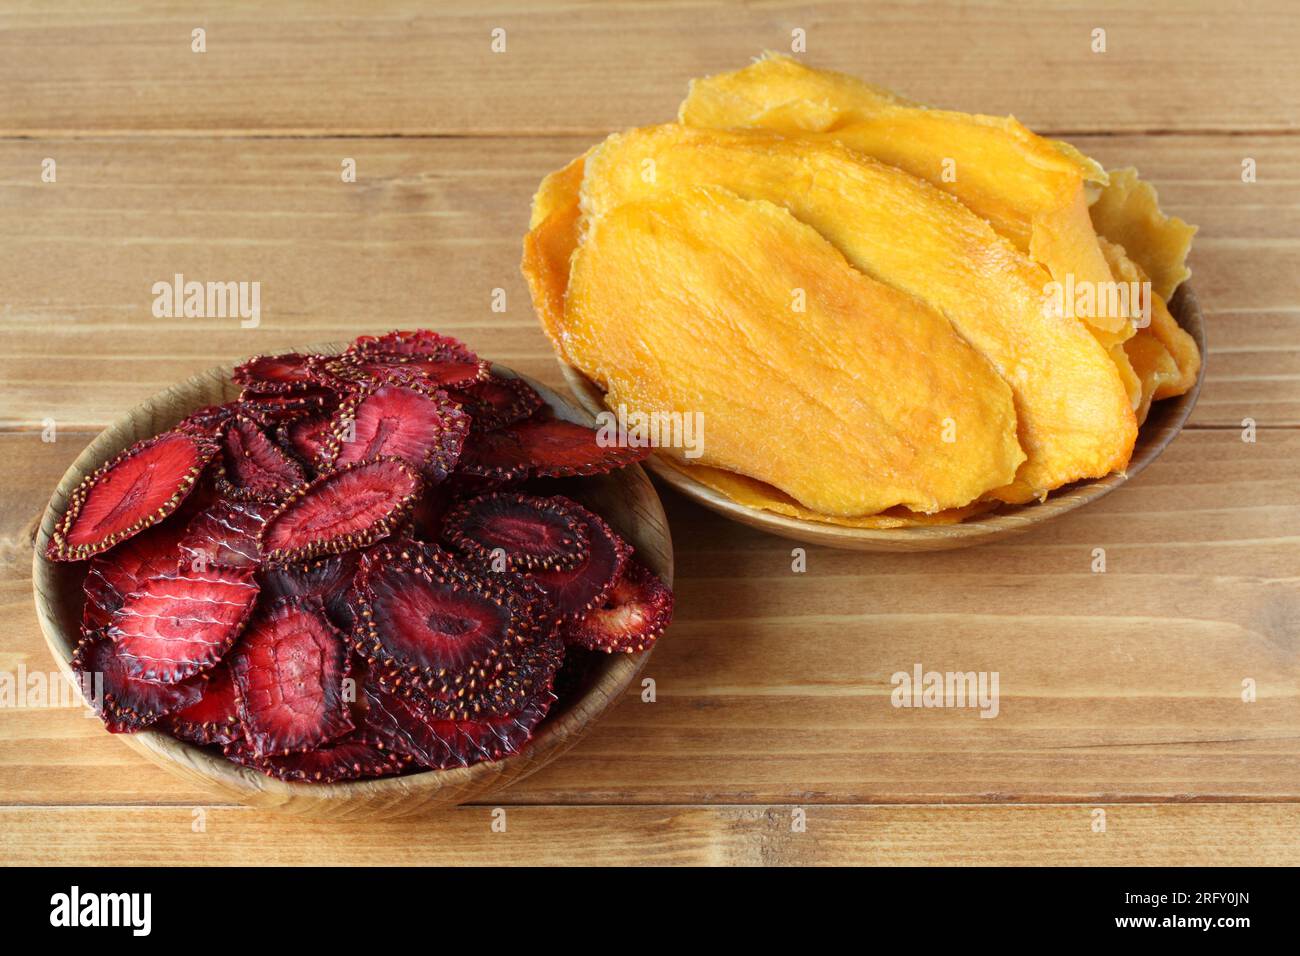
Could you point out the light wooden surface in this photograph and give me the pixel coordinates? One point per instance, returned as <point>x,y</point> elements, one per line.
<point>1120,690</point>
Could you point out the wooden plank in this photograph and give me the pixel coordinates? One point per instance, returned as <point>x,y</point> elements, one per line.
<point>411,67</point>
<point>774,686</point>
<point>1254,835</point>
<point>432,227</point>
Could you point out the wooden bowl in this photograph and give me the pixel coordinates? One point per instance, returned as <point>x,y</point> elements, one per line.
<point>1164,421</point>
<point>626,499</point>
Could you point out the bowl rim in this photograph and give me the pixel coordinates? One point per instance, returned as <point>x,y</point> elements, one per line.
<point>553,736</point>
<point>1154,436</point>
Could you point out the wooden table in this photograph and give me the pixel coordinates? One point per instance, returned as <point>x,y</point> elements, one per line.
<point>1120,692</point>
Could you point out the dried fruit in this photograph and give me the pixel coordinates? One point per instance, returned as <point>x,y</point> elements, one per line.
<point>124,702</point>
<point>276,374</point>
<point>417,342</point>
<point>638,609</point>
<point>305,438</point>
<point>412,422</point>
<point>214,717</point>
<point>528,533</point>
<point>377,368</point>
<point>225,535</point>
<point>574,592</point>
<point>546,448</point>
<point>119,571</point>
<point>352,507</point>
<point>173,627</point>
<point>349,758</point>
<point>137,489</point>
<point>328,580</point>
<point>276,408</point>
<point>253,468</point>
<point>289,668</point>
<point>498,401</point>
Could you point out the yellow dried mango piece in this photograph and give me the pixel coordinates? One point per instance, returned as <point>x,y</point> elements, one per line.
<point>847,395</point>
<point>752,493</point>
<point>1128,213</point>
<point>1032,190</point>
<point>1075,417</point>
<point>558,190</point>
<point>1154,366</point>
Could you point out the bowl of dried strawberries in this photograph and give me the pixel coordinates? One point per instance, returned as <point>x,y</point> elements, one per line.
<point>358,581</point>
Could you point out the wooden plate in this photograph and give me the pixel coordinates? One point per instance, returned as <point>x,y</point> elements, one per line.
<point>626,499</point>
<point>1165,420</point>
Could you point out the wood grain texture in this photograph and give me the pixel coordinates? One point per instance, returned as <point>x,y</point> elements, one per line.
<point>1135,835</point>
<point>428,67</point>
<point>432,227</point>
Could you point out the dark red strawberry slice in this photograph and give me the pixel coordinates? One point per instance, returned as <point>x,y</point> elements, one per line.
<point>413,422</point>
<point>209,420</point>
<point>635,613</point>
<point>345,509</point>
<point>417,342</point>
<point>117,572</point>
<point>574,592</point>
<point>491,738</point>
<point>405,724</point>
<point>214,718</point>
<point>352,757</point>
<point>473,645</point>
<point>546,448</point>
<point>276,374</point>
<point>511,532</point>
<point>289,668</point>
<point>426,517</point>
<point>125,703</point>
<point>328,580</point>
<point>498,401</point>
<point>173,627</point>
<point>305,438</point>
<point>277,408</point>
<point>133,491</point>
<point>377,368</point>
<point>253,468</point>
<point>225,535</point>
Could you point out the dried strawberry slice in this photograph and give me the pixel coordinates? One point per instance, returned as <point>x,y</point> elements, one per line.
<point>635,613</point>
<point>305,438</point>
<point>377,368</point>
<point>547,448</point>
<point>276,374</point>
<point>473,645</point>
<point>412,422</point>
<point>214,718</point>
<point>498,401</point>
<point>179,625</point>
<point>125,703</point>
<point>344,509</point>
<point>358,755</point>
<point>278,408</point>
<point>289,668</point>
<point>137,489</point>
<point>209,420</point>
<point>576,591</point>
<point>225,535</point>
<point>491,738</point>
<point>527,533</point>
<point>328,580</point>
<point>417,342</point>
<point>116,573</point>
<point>253,468</point>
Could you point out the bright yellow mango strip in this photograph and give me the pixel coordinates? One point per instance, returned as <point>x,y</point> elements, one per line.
<point>1075,417</point>
<point>1128,212</point>
<point>844,393</point>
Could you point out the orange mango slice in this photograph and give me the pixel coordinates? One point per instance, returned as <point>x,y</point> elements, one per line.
<point>1128,213</point>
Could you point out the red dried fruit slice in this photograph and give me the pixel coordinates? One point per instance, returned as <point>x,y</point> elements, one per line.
<point>289,668</point>
<point>225,535</point>
<point>429,511</point>
<point>474,646</point>
<point>492,738</point>
<point>276,374</point>
<point>328,580</point>
<point>574,592</point>
<point>345,509</point>
<point>358,755</point>
<point>305,438</point>
<point>125,703</point>
<point>635,613</point>
<point>525,532</point>
<point>179,625</point>
<point>546,448</point>
<point>417,342</point>
<point>133,491</point>
<point>208,420</point>
<point>377,368</point>
<point>214,717</point>
<point>116,573</point>
<point>253,468</point>
<point>412,422</point>
<point>498,401</point>
<point>276,409</point>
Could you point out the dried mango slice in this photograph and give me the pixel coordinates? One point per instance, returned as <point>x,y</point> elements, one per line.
<point>835,388</point>
<point>1128,212</point>
<point>1032,190</point>
<point>548,249</point>
<point>1154,366</point>
<point>753,493</point>
<point>1075,417</point>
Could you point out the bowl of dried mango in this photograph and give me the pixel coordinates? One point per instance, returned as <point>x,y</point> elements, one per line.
<point>848,318</point>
